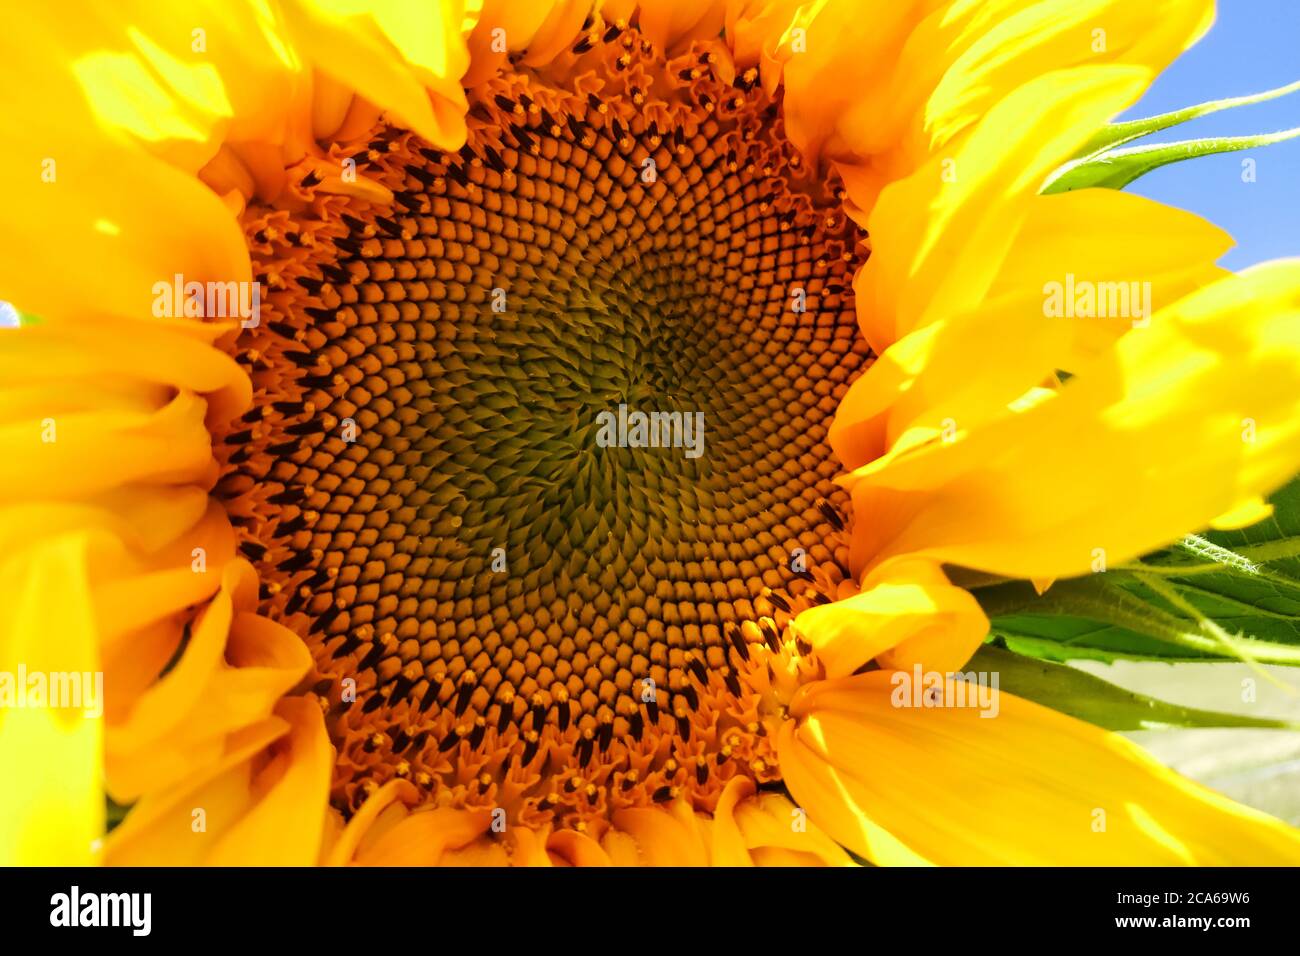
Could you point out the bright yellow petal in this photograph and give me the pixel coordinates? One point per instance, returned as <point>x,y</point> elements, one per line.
<point>778,833</point>
<point>503,27</point>
<point>815,787</point>
<point>755,31</point>
<point>182,575</point>
<point>403,55</point>
<point>233,669</point>
<point>621,848</point>
<point>1249,512</point>
<point>1189,418</point>
<point>925,267</point>
<point>344,849</point>
<point>907,611</point>
<point>175,78</point>
<point>166,828</point>
<point>286,822</point>
<point>858,50</point>
<point>914,76</point>
<point>729,847</point>
<point>1029,786</point>
<point>52,803</point>
<point>923,382</point>
<point>1004,44</point>
<point>484,852</point>
<point>529,847</point>
<point>262,803</point>
<point>128,218</point>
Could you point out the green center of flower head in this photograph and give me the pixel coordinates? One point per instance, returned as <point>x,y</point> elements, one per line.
<point>539,449</point>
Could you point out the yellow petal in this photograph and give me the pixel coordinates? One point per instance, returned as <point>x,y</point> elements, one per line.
<point>52,804</point>
<point>924,267</point>
<point>815,787</point>
<point>422,837</point>
<point>503,27</point>
<point>285,823</point>
<point>1249,512</point>
<point>906,610</point>
<point>165,828</point>
<point>778,833</point>
<point>571,848</point>
<point>838,41</point>
<point>405,55</point>
<point>233,669</point>
<point>261,803</point>
<point>665,837</point>
<point>729,847</point>
<point>1104,235</point>
<point>1029,786</point>
<point>144,605</point>
<point>129,218</point>
<point>175,353</point>
<point>145,519</point>
<point>669,24</point>
<point>1006,43</point>
<point>557,31</point>
<point>529,847</point>
<point>173,78</point>
<point>330,103</point>
<point>755,31</point>
<point>951,62</point>
<point>170,580</point>
<point>923,382</point>
<point>484,852</point>
<point>72,438</point>
<point>345,848</point>
<point>1186,420</point>
<point>621,848</point>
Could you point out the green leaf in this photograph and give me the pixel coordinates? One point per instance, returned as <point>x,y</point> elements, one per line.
<point>1116,168</point>
<point>1110,616</point>
<point>1262,598</point>
<point>1223,595</point>
<point>1117,134</point>
<point>1099,702</point>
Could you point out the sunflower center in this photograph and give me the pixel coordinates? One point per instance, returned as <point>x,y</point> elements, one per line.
<point>539,447</point>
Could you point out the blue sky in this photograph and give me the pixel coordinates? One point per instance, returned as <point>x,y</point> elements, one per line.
<point>1253,46</point>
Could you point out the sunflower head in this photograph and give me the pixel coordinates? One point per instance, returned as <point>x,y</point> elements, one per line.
<point>505,608</point>
<point>538,449</point>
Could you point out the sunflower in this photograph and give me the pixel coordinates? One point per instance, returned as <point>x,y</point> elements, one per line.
<point>303,454</point>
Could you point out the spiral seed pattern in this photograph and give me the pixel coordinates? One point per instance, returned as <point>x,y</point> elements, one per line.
<point>502,610</point>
